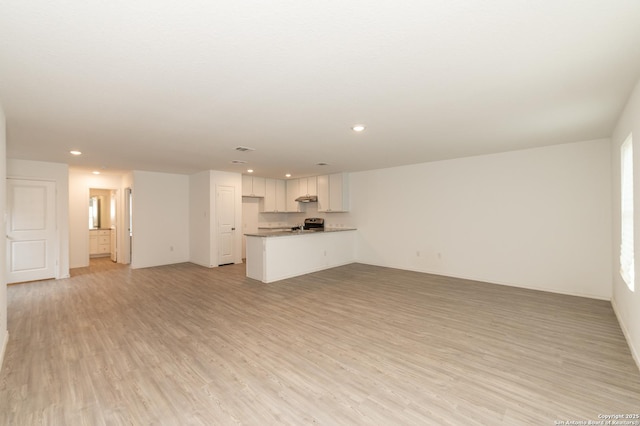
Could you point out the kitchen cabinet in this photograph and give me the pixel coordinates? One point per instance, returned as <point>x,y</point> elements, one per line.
<point>293,192</point>
<point>99,242</point>
<point>275,196</point>
<point>308,186</point>
<point>333,193</point>
<point>253,186</point>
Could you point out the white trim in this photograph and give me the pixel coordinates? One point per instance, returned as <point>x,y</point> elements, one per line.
<point>4,348</point>
<point>488,281</point>
<point>627,258</point>
<point>635,352</point>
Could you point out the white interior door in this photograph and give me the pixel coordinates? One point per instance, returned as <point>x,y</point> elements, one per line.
<point>31,230</point>
<point>225,213</point>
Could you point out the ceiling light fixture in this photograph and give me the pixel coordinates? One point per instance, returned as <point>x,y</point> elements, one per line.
<point>358,128</point>
<point>74,152</point>
<point>288,175</point>
<point>95,172</point>
<point>250,171</point>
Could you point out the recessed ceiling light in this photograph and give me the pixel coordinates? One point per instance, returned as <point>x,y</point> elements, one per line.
<point>250,171</point>
<point>95,172</point>
<point>288,175</point>
<point>75,152</point>
<point>358,127</point>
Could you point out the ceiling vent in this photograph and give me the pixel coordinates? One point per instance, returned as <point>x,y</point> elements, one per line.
<point>322,164</point>
<point>238,162</point>
<point>244,149</point>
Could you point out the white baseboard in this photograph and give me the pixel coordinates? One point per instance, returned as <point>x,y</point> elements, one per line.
<point>5,341</point>
<point>489,281</point>
<point>635,352</point>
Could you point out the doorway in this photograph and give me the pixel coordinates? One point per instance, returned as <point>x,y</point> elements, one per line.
<point>103,223</point>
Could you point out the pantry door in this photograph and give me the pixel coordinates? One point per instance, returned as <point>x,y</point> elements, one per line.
<point>226,218</point>
<point>31,230</point>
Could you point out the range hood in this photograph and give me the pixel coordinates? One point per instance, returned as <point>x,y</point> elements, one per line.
<point>307,199</point>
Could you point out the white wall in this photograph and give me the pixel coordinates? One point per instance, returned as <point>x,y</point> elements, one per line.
<point>537,218</point>
<point>23,169</point>
<point>4,332</point>
<point>160,219</point>
<point>79,184</point>
<point>625,302</point>
<point>200,219</point>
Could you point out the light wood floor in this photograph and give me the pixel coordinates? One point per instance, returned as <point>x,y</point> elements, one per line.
<point>354,345</point>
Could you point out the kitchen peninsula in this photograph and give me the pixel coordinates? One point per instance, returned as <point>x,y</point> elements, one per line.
<point>273,256</point>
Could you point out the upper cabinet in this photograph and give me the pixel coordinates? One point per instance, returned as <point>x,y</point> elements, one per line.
<point>275,200</point>
<point>293,192</point>
<point>308,186</point>
<point>280,195</point>
<point>333,192</point>
<point>253,186</point>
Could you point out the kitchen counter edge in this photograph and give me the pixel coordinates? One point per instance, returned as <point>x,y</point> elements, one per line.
<point>294,233</point>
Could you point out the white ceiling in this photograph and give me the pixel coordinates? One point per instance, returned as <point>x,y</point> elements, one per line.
<point>175,86</point>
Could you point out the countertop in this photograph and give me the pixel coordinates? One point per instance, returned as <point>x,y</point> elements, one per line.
<point>295,233</point>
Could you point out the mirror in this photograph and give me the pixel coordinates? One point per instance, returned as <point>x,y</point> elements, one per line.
<point>94,212</point>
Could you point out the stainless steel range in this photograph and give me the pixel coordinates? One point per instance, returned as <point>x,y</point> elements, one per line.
<point>314,223</point>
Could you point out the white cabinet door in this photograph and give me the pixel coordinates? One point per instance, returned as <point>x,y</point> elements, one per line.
<point>247,185</point>
<point>302,187</point>
<point>312,185</point>
<point>323,193</point>
<point>308,186</point>
<point>253,186</point>
<point>275,200</point>
<point>293,192</point>
<point>269,202</point>
<point>259,187</point>
<point>281,196</point>
<point>333,193</point>
<point>93,242</point>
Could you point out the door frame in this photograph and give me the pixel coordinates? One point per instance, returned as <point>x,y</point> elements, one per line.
<point>58,173</point>
<point>127,224</point>
<point>118,216</point>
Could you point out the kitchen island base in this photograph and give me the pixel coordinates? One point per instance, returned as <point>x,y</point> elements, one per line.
<point>276,257</point>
